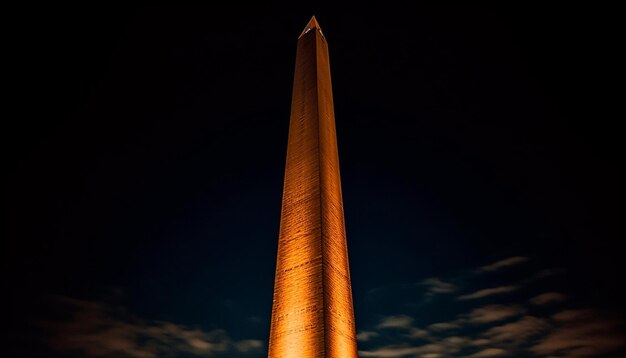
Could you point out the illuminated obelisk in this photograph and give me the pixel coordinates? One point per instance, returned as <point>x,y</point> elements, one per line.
<point>312,313</point>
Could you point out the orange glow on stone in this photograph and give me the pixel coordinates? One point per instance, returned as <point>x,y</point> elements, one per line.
<point>312,313</point>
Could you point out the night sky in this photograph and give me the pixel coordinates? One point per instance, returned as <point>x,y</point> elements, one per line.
<point>480,159</point>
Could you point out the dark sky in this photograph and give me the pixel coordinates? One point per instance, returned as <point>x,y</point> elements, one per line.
<point>479,149</point>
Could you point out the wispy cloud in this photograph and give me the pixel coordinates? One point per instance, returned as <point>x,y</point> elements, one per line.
<point>547,298</point>
<point>494,330</point>
<point>391,352</point>
<point>400,321</point>
<point>418,333</point>
<point>480,342</point>
<point>444,348</point>
<point>493,313</point>
<point>444,326</point>
<point>570,334</point>
<point>488,292</point>
<point>436,285</point>
<point>249,345</point>
<point>511,261</point>
<point>572,315</point>
<point>364,336</point>
<point>489,352</point>
<point>518,331</point>
<point>95,329</point>
<point>582,333</point>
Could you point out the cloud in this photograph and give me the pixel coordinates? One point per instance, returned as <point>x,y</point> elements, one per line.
<point>418,333</point>
<point>480,342</point>
<point>364,336</point>
<point>567,334</point>
<point>511,261</point>
<point>400,321</point>
<point>488,292</point>
<point>582,333</point>
<point>94,329</point>
<point>572,315</point>
<point>547,298</point>
<point>489,352</point>
<point>436,285</point>
<point>444,326</point>
<point>249,345</point>
<point>391,352</point>
<point>444,348</point>
<point>493,313</point>
<point>495,330</point>
<point>517,332</point>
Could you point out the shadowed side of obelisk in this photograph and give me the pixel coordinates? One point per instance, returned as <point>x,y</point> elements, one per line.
<point>340,335</point>
<point>312,313</point>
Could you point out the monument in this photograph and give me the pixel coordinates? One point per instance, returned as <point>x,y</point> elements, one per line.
<point>312,313</point>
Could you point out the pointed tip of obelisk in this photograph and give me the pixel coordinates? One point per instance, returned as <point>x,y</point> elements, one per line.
<point>312,25</point>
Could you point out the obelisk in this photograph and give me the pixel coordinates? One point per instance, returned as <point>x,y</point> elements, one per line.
<point>312,313</point>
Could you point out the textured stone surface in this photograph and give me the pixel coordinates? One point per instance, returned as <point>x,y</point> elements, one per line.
<point>312,313</point>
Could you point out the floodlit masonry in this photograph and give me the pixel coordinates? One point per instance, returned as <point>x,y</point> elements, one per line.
<point>312,313</point>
